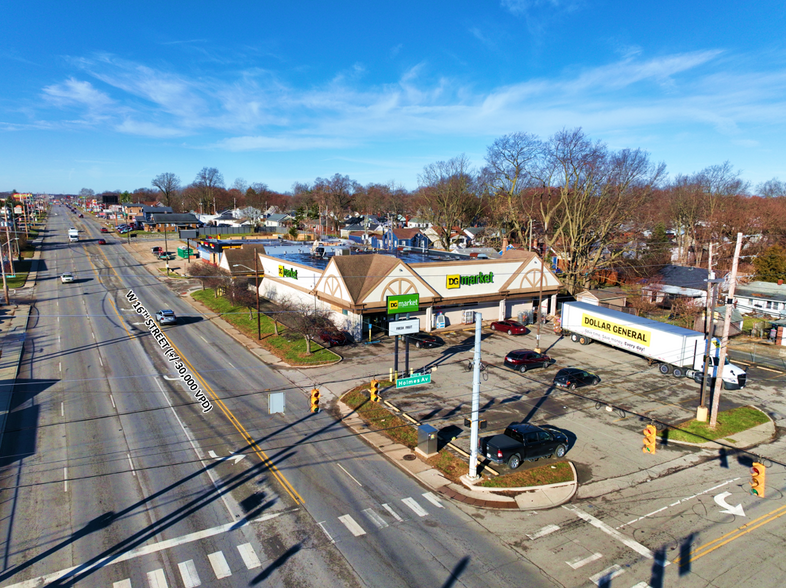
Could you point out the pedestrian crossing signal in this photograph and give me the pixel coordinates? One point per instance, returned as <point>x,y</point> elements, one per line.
<point>315,400</point>
<point>649,439</point>
<point>758,472</point>
<point>373,390</point>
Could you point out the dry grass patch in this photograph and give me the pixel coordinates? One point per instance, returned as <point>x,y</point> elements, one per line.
<point>380,418</point>
<point>554,473</point>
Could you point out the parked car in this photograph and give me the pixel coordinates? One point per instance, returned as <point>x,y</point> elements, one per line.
<point>523,442</point>
<point>424,340</point>
<point>104,230</point>
<point>67,278</point>
<point>102,241</point>
<point>166,317</point>
<point>157,250</point>
<point>573,378</point>
<point>335,338</point>
<point>509,327</point>
<point>81,215</point>
<point>524,359</point>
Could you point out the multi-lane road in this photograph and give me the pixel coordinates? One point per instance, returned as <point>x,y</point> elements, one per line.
<point>113,475</point>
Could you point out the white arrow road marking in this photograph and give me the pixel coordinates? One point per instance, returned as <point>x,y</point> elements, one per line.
<point>235,458</point>
<point>212,454</point>
<point>720,500</point>
<point>171,379</point>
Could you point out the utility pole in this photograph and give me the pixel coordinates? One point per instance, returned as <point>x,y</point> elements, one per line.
<point>256,272</point>
<point>725,339</point>
<point>473,436</point>
<point>540,289</point>
<point>709,333</point>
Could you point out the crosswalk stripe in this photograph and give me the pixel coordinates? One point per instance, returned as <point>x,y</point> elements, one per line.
<point>351,525</point>
<point>641,585</point>
<point>607,575</point>
<point>433,499</point>
<point>543,531</point>
<point>375,518</point>
<point>189,574</point>
<point>416,508</point>
<point>583,561</point>
<point>122,584</point>
<point>220,566</point>
<point>156,579</point>
<point>249,556</point>
<point>392,512</point>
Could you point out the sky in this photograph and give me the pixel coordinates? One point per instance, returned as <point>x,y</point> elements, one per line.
<point>108,95</point>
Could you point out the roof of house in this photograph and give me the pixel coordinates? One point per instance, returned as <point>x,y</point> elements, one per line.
<point>765,290</point>
<point>405,234</point>
<point>362,273</point>
<point>683,277</point>
<point>474,231</point>
<point>522,254</point>
<point>612,293</point>
<point>278,216</point>
<point>156,209</point>
<point>176,219</point>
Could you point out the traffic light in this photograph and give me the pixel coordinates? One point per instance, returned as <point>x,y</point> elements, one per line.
<point>373,390</point>
<point>757,479</point>
<point>315,400</point>
<point>649,439</point>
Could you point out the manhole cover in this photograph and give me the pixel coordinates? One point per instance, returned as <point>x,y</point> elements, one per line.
<point>410,457</point>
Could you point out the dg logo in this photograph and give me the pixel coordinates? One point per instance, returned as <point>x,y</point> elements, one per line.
<point>454,282</point>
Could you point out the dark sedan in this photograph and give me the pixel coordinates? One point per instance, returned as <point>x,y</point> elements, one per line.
<point>102,241</point>
<point>509,327</point>
<point>573,378</point>
<point>335,338</point>
<point>523,359</point>
<point>424,340</point>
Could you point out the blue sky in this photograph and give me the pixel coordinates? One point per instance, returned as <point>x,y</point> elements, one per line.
<point>107,95</point>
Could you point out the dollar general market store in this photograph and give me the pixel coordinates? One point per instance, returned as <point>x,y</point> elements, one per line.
<point>356,287</point>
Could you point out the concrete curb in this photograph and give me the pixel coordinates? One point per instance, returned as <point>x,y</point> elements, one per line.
<point>13,341</point>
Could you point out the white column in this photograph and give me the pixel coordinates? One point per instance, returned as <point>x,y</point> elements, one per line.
<point>502,308</point>
<point>429,318</point>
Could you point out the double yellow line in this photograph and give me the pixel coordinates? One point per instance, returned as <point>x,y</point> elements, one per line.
<point>218,402</point>
<point>736,534</point>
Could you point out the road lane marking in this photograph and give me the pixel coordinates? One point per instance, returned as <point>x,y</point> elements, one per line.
<point>131,463</point>
<point>65,479</point>
<point>634,545</point>
<point>392,512</point>
<point>157,579</point>
<point>113,401</point>
<point>433,499</point>
<point>375,518</point>
<point>122,584</point>
<point>583,561</point>
<point>189,574</point>
<point>703,550</point>
<point>416,508</point>
<point>654,512</point>
<point>101,361</point>
<point>350,475</point>
<point>203,339</point>
<point>351,525</point>
<point>219,565</point>
<point>229,363</point>
<point>607,575</point>
<point>62,409</point>
<point>543,531</point>
<point>324,530</point>
<point>147,550</point>
<point>249,556</point>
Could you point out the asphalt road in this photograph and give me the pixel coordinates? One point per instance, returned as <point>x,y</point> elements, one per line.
<point>113,475</point>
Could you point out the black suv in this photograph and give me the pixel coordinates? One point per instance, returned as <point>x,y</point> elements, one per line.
<point>573,378</point>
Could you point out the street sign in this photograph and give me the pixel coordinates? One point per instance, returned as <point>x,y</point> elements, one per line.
<point>413,381</point>
<point>403,327</point>
<point>403,303</point>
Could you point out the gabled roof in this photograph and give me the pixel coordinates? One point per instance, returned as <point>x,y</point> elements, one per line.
<point>683,277</point>
<point>521,254</point>
<point>156,209</point>
<point>406,234</point>
<point>243,257</point>
<point>361,273</point>
<point>278,217</point>
<point>612,293</point>
<point>176,219</point>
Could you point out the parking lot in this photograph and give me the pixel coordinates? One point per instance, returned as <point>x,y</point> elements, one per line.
<point>604,422</point>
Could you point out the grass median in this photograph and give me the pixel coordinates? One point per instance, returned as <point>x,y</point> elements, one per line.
<point>286,346</point>
<point>729,422</point>
<point>385,421</point>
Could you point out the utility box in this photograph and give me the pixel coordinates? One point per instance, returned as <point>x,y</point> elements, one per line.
<point>427,440</point>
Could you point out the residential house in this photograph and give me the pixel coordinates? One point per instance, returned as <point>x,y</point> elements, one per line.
<point>766,298</point>
<point>395,238</point>
<point>613,298</point>
<point>676,281</point>
<point>172,222</point>
<point>277,220</point>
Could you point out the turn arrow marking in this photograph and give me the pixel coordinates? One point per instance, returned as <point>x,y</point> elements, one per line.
<point>235,458</point>
<point>720,500</point>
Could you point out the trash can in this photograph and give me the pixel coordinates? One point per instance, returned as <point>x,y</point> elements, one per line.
<point>427,439</point>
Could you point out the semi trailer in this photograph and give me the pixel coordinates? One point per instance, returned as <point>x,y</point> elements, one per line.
<point>676,351</point>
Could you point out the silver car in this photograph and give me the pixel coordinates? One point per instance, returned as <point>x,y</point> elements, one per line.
<point>67,278</point>
<point>166,317</point>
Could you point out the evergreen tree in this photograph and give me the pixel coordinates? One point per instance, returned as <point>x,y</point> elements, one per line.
<point>771,264</point>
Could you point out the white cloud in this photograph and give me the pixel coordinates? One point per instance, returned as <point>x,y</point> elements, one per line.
<point>76,92</point>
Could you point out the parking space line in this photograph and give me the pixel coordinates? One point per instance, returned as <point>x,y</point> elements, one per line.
<point>543,531</point>
<point>607,575</point>
<point>583,561</point>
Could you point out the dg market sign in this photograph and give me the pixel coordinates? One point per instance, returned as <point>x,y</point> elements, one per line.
<point>456,281</point>
<point>403,303</point>
<point>285,272</point>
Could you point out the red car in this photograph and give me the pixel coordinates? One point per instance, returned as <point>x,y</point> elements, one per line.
<point>102,241</point>
<point>104,230</point>
<point>509,327</point>
<point>523,359</point>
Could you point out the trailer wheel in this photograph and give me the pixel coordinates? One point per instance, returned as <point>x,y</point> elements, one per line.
<point>664,368</point>
<point>574,337</point>
<point>678,373</point>
<point>584,340</point>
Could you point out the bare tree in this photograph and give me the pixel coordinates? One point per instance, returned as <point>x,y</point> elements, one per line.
<point>308,321</point>
<point>169,184</point>
<point>209,275</point>
<point>448,195</point>
<point>334,196</point>
<point>209,182</point>
<point>773,188</point>
<point>510,163</point>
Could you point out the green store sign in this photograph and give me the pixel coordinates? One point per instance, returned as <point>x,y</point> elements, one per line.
<point>403,303</point>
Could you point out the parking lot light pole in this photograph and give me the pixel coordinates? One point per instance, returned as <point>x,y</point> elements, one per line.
<point>256,273</point>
